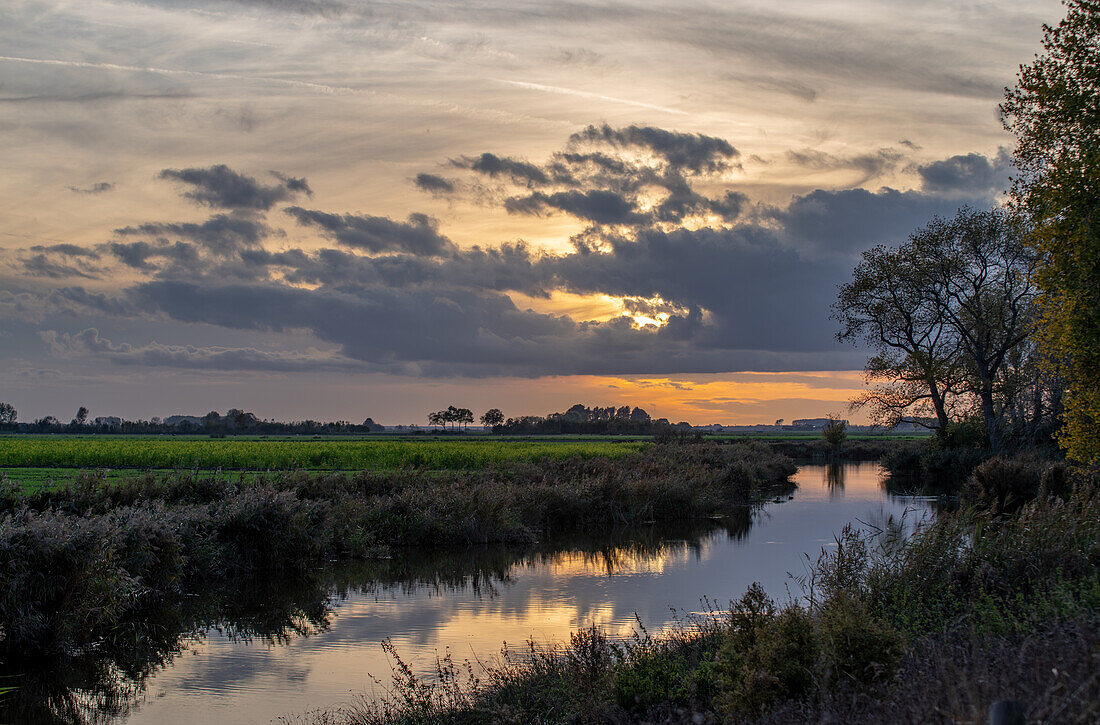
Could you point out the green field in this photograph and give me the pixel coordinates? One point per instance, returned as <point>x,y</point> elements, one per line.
<point>164,453</point>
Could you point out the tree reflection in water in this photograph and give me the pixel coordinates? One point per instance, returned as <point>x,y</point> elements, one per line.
<point>834,478</point>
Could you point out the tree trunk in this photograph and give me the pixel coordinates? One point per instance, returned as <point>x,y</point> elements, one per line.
<point>939,405</point>
<point>992,420</point>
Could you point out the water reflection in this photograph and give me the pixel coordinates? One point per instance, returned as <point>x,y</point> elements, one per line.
<point>834,478</point>
<point>266,617</point>
<point>258,650</point>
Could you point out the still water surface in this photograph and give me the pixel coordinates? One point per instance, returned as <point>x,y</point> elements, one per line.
<point>498,597</point>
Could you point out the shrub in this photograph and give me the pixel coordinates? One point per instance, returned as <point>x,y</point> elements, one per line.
<point>854,645</point>
<point>768,656</point>
<point>1003,485</point>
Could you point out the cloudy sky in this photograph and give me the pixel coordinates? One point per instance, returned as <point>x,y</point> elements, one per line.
<point>340,208</point>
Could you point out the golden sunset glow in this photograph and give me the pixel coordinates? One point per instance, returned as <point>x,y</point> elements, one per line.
<point>335,211</point>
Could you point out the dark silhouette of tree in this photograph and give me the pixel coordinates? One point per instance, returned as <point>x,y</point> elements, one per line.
<point>947,316</point>
<point>81,416</point>
<point>8,414</point>
<point>580,419</point>
<point>1054,112</point>
<point>980,278</point>
<point>914,369</point>
<point>211,419</point>
<point>492,417</point>
<point>452,415</point>
<point>46,424</point>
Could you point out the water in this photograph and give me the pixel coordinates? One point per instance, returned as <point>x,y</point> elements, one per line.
<point>312,649</point>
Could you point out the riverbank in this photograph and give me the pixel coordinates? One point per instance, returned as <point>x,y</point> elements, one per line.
<point>975,607</point>
<point>81,561</point>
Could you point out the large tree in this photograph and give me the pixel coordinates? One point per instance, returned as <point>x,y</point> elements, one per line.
<point>978,275</point>
<point>913,373</point>
<point>1054,111</point>
<point>946,316</point>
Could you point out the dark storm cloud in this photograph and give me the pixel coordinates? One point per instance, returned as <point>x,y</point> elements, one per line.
<point>601,207</point>
<point>293,183</point>
<point>522,172</point>
<point>690,151</point>
<point>849,221</point>
<point>97,188</point>
<point>683,202</point>
<point>759,294</point>
<point>74,299</point>
<point>510,267</point>
<point>434,184</point>
<point>968,174</point>
<point>608,184</point>
<point>459,333</point>
<point>139,255</point>
<point>745,287</point>
<point>221,233</point>
<point>220,186</point>
<point>68,250</point>
<point>419,235</point>
<point>39,265</point>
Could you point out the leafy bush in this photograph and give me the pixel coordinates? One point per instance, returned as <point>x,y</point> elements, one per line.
<point>768,655</point>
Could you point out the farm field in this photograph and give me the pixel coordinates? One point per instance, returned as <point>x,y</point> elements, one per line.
<point>23,458</point>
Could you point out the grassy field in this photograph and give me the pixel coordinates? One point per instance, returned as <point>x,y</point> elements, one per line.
<point>37,459</point>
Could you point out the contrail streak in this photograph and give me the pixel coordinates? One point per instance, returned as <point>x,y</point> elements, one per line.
<point>587,94</point>
<point>490,114</point>
<point>174,72</point>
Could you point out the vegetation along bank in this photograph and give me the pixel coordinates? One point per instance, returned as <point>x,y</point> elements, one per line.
<point>113,548</point>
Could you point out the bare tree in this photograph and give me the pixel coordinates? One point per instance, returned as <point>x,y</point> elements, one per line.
<point>914,369</point>
<point>979,277</point>
<point>947,317</point>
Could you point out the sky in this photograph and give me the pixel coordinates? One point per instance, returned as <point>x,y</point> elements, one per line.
<point>336,209</point>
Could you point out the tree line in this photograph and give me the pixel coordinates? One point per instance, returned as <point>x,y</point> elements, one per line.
<point>580,419</point>
<point>235,421</point>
